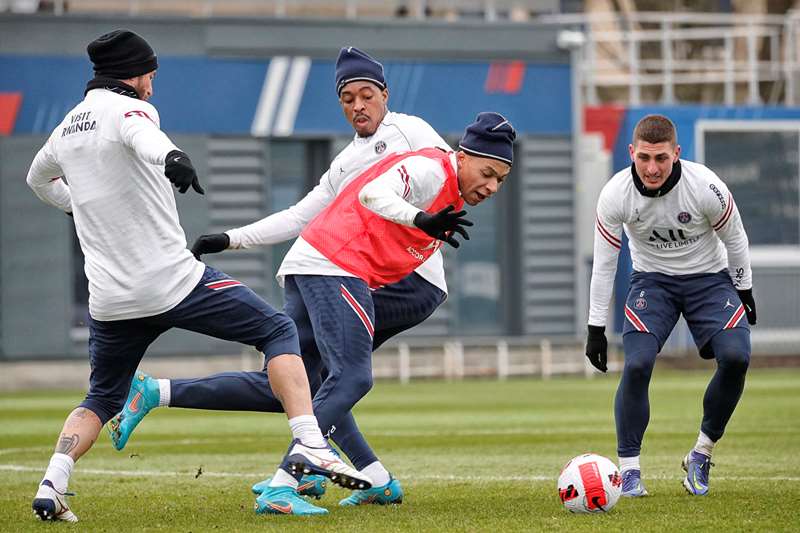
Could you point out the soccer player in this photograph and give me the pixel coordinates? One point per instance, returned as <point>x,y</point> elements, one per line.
<point>690,256</point>
<point>117,167</point>
<point>363,96</point>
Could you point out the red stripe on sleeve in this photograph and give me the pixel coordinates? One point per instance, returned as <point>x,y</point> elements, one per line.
<point>727,215</point>
<point>613,241</point>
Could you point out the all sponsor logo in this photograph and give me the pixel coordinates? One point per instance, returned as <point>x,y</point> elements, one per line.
<point>669,236</point>
<point>664,239</point>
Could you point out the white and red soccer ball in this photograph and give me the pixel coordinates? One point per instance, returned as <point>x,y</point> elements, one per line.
<point>589,483</point>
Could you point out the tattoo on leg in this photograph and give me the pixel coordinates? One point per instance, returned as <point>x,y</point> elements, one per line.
<point>66,444</point>
<point>81,412</point>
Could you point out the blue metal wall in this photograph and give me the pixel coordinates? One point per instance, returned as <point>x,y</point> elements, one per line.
<point>219,96</point>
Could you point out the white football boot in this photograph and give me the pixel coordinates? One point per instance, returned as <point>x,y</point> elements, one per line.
<point>324,462</point>
<point>49,504</point>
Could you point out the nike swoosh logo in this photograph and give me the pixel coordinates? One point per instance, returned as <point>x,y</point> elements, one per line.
<point>285,509</point>
<point>697,482</point>
<point>134,405</point>
<point>305,486</point>
<point>324,463</point>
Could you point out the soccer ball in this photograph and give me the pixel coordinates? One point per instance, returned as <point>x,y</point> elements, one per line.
<point>589,483</point>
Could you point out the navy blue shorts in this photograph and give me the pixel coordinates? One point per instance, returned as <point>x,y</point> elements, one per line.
<point>708,302</point>
<point>397,308</point>
<point>403,305</point>
<point>218,306</point>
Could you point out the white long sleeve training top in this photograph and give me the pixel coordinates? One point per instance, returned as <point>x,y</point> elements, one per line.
<point>111,151</point>
<point>397,133</point>
<point>694,228</point>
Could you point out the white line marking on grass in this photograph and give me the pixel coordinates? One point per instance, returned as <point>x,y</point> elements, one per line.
<point>409,477</point>
<point>129,473</point>
<point>6,451</point>
<point>153,442</point>
<point>483,432</point>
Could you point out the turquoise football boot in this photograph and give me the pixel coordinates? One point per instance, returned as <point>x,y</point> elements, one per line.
<point>285,500</point>
<point>142,397</point>
<point>391,493</point>
<point>311,486</point>
<point>697,467</point>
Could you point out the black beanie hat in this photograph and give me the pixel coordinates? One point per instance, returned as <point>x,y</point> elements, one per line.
<point>355,65</point>
<point>491,135</point>
<point>121,54</point>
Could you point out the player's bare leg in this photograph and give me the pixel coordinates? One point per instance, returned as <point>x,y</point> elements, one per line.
<point>79,433</point>
<point>289,383</point>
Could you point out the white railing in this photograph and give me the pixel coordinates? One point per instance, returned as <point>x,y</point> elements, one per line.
<point>653,54</point>
<point>410,358</point>
<point>499,358</point>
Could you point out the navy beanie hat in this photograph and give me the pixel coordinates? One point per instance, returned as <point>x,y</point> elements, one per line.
<point>491,135</point>
<point>355,65</point>
<point>121,54</point>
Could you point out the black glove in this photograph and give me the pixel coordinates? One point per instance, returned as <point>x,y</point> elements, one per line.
<point>746,296</point>
<point>597,347</point>
<point>210,244</point>
<point>442,225</point>
<point>179,170</point>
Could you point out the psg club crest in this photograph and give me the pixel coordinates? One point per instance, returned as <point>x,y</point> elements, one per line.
<point>640,303</point>
<point>380,147</point>
<point>684,217</point>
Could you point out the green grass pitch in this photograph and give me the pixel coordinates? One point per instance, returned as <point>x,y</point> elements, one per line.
<point>472,456</point>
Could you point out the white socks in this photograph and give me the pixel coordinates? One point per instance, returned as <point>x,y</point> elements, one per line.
<point>629,463</point>
<point>59,470</point>
<point>164,391</point>
<point>306,429</point>
<point>377,473</point>
<point>704,444</point>
<point>283,479</point>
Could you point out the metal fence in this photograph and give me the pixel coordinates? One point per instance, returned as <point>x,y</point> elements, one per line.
<point>648,57</point>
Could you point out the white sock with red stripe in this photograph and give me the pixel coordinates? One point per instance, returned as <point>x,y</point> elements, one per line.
<point>629,463</point>
<point>704,444</point>
<point>306,429</point>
